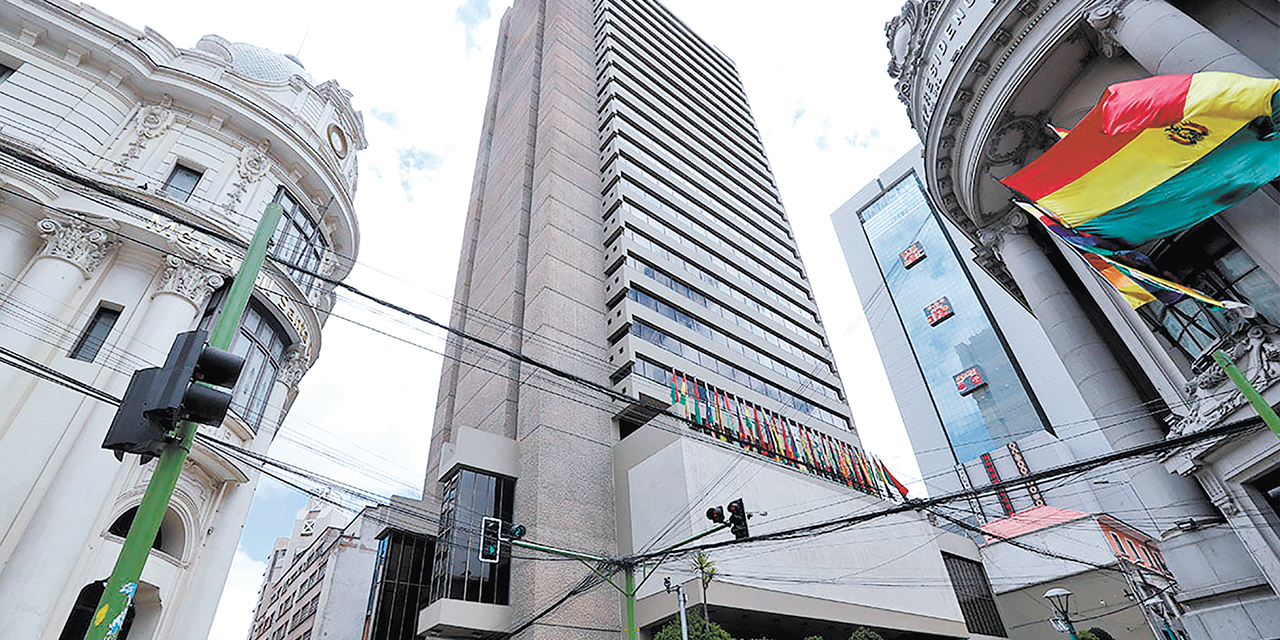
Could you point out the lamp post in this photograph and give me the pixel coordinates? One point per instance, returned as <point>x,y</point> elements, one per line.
<point>1058,598</point>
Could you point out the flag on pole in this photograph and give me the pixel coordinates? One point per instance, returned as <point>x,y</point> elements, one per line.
<point>1159,155</point>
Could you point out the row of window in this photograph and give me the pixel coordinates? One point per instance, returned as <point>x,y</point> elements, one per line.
<point>1126,547</point>
<point>748,186</point>
<point>688,227</point>
<point>733,344</point>
<point>660,22</point>
<point>625,27</point>
<point>710,260</point>
<point>712,363</point>
<point>660,193</point>
<point>638,164</point>
<point>623,98</point>
<point>748,303</point>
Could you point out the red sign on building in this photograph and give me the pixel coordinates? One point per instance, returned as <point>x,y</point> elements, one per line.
<point>912,254</point>
<point>938,311</point>
<point>969,380</point>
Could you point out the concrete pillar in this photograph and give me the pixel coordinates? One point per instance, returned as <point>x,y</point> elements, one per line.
<point>1164,40</point>
<point>191,617</point>
<point>73,251</point>
<point>1111,397</point>
<point>17,244</point>
<point>77,486</point>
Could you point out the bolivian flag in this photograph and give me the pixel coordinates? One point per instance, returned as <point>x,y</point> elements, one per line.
<point>1158,155</point>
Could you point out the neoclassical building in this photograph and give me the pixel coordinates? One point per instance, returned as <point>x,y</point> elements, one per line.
<point>981,80</point>
<point>121,157</point>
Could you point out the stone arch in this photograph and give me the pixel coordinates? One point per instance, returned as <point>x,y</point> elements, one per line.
<point>171,539</point>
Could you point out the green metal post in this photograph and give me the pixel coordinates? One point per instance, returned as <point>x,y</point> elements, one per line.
<point>110,614</point>
<point>1259,404</point>
<point>630,595</point>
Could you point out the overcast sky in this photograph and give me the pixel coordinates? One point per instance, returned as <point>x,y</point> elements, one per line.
<point>814,71</point>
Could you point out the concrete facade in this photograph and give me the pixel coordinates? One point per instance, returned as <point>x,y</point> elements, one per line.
<point>980,82</point>
<point>625,228</point>
<point>117,147</point>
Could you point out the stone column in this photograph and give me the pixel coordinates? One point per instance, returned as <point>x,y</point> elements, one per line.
<point>33,311</point>
<point>191,617</point>
<point>1164,40</point>
<point>1105,387</point>
<point>40,567</point>
<point>17,243</point>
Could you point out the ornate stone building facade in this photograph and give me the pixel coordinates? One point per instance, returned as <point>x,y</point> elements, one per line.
<point>118,151</point>
<point>981,80</point>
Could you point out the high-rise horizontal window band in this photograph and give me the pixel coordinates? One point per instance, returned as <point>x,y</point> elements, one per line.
<point>657,15</point>
<point>655,63</point>
<point>731,123</point>
<point>722,154</point>
<point>719,172</point>
<point>704,257</point>
<point>724,416</point>
<point>654,196</point>
<point>678,37</point>
<point>738,293</point>
<point>735,345</point>
<point>681,173</point>
<point>783,343</point>
<point>751,381</point>
<point>768,225</point>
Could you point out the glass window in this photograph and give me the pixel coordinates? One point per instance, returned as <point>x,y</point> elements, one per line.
<point>401,584</point>
<point>181,183</point>
<point>262,342</point>
<point>95,334</point>
<point>1003,410</point>
<point>298,240</point>
<point>5,72</point>
<point>977,604</point>
<point>466,499</point>
<point>1209,260</point>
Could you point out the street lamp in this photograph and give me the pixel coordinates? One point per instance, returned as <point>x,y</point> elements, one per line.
<point>1058,598</point>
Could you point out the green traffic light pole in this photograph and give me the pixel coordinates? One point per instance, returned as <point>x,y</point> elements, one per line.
<point>1259,404</point>
<point>118,595</point>
<point>631,588</point>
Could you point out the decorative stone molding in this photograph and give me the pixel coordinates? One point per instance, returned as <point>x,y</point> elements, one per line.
<point>1016,137</point>
<point>191,281</point>
<point>1255,349</point>
<point>992,236</point>
<point>251,167</point>
<point>905,35</point>
<point>295,366</point>
<point>1218,492</point>
<point>1103,18</point>
<point>77,242</point>
<point>152,121</point>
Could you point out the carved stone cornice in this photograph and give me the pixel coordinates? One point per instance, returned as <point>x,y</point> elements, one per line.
<point>188,280</point>
<point>295,366</point>
<point>905,34</point>
<point>75,241</point>
<point>1255,349</point>
<point>250,168</point>
<point>1104,18</point>
<point>992,236</point>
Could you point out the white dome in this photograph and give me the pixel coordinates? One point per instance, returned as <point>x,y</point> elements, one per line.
<point>263,64</point>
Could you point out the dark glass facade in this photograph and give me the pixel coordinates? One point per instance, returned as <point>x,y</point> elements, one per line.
<point>262,342</point>
<point>401,585</point>
<point>981,398</point>
<point>973,590</point>
<point>466,499</point>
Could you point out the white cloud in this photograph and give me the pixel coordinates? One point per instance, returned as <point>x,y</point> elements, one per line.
<point>235,610</point>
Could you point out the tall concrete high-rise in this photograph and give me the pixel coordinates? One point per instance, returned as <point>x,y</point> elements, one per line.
<point>625,228</point>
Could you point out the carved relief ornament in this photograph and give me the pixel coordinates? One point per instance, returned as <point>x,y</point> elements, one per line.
<point>191,281</point>
<point>152,121</point>
<point>75,241</point>
<point>905,35</point>
<point>295,366</point>
<point>250,168</point>
<point>1255,349</point>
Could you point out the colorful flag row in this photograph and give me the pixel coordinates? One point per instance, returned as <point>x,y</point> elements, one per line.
<point>731,419</point>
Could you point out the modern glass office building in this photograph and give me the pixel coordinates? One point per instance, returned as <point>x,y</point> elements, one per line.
<point>934,329</point>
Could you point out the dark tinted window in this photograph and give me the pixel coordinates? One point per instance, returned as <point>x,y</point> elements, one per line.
<point>977,604</point>
<point>182,182</point>
<point>468,497</point>
<point>95,334</point>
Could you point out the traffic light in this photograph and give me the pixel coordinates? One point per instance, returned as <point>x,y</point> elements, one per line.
<point>515,531</point>
<point>490,539</point>
<point>738,519</point>
<point>194,384</point>
<point>715,514</point>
